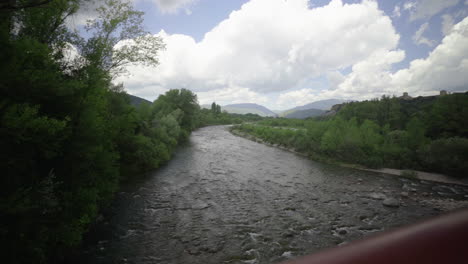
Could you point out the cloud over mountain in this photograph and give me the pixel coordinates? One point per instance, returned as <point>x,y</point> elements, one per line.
<point>272,51</point>
<point>271,46</point>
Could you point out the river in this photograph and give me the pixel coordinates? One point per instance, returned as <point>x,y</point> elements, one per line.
<point>225,199</point>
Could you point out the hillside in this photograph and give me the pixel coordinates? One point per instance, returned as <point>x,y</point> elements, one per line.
<point>317,105</point>
<point>248,108</point>
<point>136,101</point>
<point>322,104</point>
<point>303,114</point>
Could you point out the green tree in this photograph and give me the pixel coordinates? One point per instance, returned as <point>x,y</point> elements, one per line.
<point>213,108</point>
<point>65,134</point>
<point>118,39</point>
<point>182,99</point>
<point>333,138</point>
<point>447,155</point>
<point>447,116</point>
<point>45,24</point>
<point>416,133</point>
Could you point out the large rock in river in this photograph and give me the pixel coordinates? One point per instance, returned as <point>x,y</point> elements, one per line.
<point>391,202</point>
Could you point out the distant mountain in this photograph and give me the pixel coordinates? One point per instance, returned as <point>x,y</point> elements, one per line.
<point>303,114</point>
<point>277,111</point>
<point>322,104</point>
<point>136,101</point>
<point>248,108</point>
<point>317,105</point>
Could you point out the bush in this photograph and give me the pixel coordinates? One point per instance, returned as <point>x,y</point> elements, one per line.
<point>448,155</point>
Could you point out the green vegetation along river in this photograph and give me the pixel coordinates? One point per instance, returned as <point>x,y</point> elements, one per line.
<point>225,199</point>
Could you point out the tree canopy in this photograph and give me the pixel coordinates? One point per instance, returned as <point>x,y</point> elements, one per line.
<point>427,133</point>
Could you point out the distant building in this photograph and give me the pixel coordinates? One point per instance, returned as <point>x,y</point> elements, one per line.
<point>406,96</point>
<point>443,92</point>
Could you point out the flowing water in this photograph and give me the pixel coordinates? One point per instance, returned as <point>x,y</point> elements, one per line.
<point>225,199</point>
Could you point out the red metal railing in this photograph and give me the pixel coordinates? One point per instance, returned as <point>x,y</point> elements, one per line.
<point>443,239</point>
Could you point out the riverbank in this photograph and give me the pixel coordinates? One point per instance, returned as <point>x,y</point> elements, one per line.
<point>420,175</point>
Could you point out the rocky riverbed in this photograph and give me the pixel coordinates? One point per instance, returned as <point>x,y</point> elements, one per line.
<point>226,199</point>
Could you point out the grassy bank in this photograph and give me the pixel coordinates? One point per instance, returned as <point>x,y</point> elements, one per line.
<point>363,146</point>
<point>428,176</point>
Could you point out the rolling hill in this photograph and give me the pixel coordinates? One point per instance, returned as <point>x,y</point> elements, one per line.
<point>322,104</point>
<point>314,108</point>
<point>303,114</point>
<point>248,108</point>
<point>136,101</point>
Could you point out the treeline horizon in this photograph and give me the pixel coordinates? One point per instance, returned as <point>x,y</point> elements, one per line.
<point>426,133</point>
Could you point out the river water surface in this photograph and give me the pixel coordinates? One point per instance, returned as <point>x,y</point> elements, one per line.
<point>225,199</point>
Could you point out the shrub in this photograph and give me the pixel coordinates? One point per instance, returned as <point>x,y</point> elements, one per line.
<point>448,155</point>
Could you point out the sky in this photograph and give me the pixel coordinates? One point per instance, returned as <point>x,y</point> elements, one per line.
<point>286,53</point>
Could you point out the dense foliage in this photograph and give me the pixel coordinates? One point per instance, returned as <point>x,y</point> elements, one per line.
<point>68,136</point>
<point>425,133</point>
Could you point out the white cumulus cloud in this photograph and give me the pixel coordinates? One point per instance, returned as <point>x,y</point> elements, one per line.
<point>445,68</point>
<point>269,46</point>
<point>370,77</point>
<point>231,95</point>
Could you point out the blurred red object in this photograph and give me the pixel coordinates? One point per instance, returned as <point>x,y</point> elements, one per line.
<point>443,239</point>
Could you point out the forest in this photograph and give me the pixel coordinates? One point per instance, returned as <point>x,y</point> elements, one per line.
<point>425,133</point>
<point>68,135</point>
